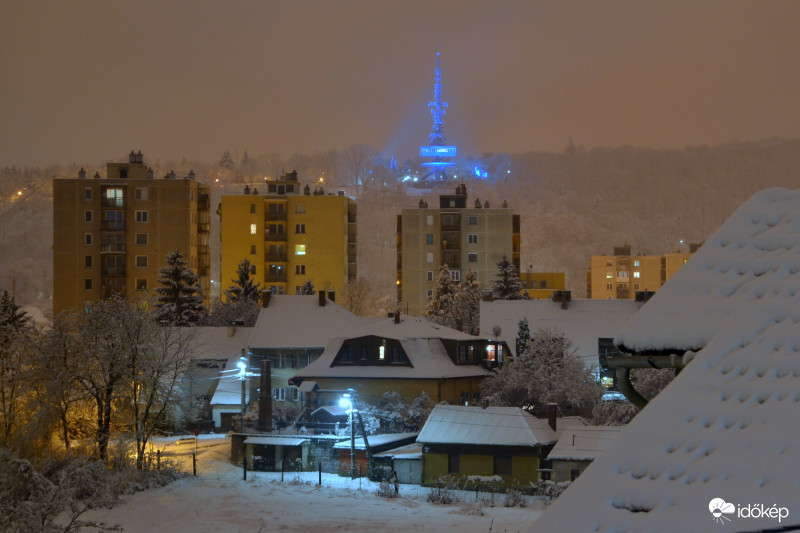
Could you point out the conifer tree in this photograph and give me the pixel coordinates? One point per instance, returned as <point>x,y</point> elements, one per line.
<point>307,288</point>
<point>523,335</point>
<point>439,308</point>
<point>243,287</point>
<point>466,308</point>
<point>178,300</point>
<point>506,286</point>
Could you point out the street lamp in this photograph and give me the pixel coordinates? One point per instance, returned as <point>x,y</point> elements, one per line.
<point>347,403</point>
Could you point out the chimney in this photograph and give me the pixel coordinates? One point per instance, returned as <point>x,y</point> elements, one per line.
<point>265,297</point>
<point>321,298</point>
<point>265,397</point>
<point>82,174</point>
<point>397,317</point>
<point>132,157</point>
<point>332,296</point>
<point>552,411</point>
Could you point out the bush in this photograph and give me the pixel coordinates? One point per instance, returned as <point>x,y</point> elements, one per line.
<point>386,490</point>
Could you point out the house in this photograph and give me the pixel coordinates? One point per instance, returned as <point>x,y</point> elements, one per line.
<point>405,354</point>
<point>577,448</point>
<point>720,443</point>
<point>379,445</point>
<point>505,444</point>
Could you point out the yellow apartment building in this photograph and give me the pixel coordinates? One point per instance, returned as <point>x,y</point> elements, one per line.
<point>461,237</point>
<point>622,275</point>
<point>111,234</point>
<point>290,234</point>
<point>540,285</point>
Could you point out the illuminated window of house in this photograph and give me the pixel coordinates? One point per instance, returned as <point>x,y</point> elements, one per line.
<point>636,262</point>
<point>636,274</point>
<point>299,249</point>
<point>490,354</point>
<point>609,275</point>
<point>253,229</point>
<point>381,352</point>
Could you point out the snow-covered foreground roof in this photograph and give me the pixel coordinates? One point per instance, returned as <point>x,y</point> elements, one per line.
<point>583,321</point>
<point>724,434</point>
<point>375,440</point>
<point>584,443</point>
<point>219,342</point>
<point>493,426</point>
<point>299,321</point>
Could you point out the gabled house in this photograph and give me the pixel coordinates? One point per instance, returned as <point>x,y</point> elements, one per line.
<point>405,354</point>
<point>721,440</point>
<point>577,448</point>
<point>506,444</point>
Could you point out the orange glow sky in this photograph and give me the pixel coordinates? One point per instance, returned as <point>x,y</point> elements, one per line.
<point>86,81</point>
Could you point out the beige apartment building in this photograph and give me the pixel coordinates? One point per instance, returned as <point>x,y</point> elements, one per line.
<point>622,275</point>
<point>111,234</point>
<point>462,237</point>
<point>290,234</point>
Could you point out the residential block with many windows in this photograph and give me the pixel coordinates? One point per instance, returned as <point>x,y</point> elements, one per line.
<point>622,275</point>
<point>111,234</point>
<point>461,237</point>
<point>290,235</point>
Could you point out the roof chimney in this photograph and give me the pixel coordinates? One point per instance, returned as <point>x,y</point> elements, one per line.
<point>132,157</point>
<point>81,174</point>
<point>552,411</point>
<point>265,297</point>
<point>321,298</point>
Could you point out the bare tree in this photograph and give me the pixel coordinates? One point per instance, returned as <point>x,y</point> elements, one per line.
<point>359,298</point>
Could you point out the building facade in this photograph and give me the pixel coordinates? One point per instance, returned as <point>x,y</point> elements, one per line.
<point>541,285</point>
<point>111,235</point>
<point>453,234</point>
<point>622,275</point>
<point>290,235</point>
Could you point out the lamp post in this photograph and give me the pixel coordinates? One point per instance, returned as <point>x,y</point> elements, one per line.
<point>347,403</point>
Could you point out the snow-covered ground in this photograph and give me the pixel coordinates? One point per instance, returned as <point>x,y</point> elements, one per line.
<point>219,500</point>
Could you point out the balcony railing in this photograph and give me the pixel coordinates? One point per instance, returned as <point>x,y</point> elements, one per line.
<point>275,256</point>
<point>113,202</point>
<point>275,216</point>
<point>114,271</point>
<point>112,248</point>
<point>275,236</point>
<point>276,277</point>
<point>112,225</point>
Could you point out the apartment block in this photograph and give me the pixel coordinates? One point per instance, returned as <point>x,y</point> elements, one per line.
<point>111,234</point>
<point>290,234</point>
<point>453,234</point>
<point>622,275</point>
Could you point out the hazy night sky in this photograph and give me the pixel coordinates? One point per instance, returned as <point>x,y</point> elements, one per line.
<point>87,81</point>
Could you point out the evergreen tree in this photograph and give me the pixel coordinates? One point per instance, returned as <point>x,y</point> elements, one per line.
<point>439,308</point>
<point>307,288</point>
<point>178,300</point>
<point>466,309</point>
<point>16,347</point>
<point>523,335</point>
<point>243,287</point>
<point>506,286</point>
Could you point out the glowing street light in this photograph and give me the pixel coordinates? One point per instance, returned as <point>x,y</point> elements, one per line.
<point>346,402</point>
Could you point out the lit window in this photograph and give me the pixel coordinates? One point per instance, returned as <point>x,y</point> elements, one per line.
<point>429,257</point>
<point>253,229</point>
<point>636,262</point>
<point>141,216</point>
<point>472,238</point>
<point>609,275</point>
<point>141,261</point>
<point>636,274</point>
<point>490,356</point>
<point>381,352</point>
<point>299,249</point>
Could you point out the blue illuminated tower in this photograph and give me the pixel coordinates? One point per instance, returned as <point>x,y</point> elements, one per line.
<point>437,155</point>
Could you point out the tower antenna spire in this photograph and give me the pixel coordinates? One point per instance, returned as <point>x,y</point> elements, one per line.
<point>440,155</point>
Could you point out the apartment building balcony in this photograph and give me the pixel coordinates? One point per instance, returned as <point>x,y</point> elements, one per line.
<point>452,260</point>
<point>112,225</point>
<point>275,216</point>
<point>275,256</point>
<point>275,236</point>
<point>113,271</point>
<point>112,249</point>
<point>275,277</point>
<point>112,202</point>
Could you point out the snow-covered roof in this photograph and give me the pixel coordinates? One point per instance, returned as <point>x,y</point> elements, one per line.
<point>584,443</point>
<point>333,409</point>
<point>275,440</point>
<point>219,342</point>
<point>299,321</point>
<point>409,327</point>
<point>582,322</point>
<point>409,451</point>
<point>375,440</point>
<point>725,430</point>
<point>491,426</point>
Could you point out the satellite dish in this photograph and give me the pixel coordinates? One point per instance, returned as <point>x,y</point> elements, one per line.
<point>496,331</point>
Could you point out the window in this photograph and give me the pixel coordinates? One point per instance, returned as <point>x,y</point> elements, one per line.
<point>453,464</point>
<point>622,274</point>
<point>490,352</point>
<point>450,221</point>
<point>123,173</point>
<point>429,257</point>
<point>609,263</point>
<point>87,193</point>
<point>295,394</point>
<point>279,394</point>
<point>609,275</point>
<point>87,216</point>
<point>636,274</point>
<point>429,294</point>
<point>141,216</point>
<point>462,354</point>
<point>543,284</point>
<point>141,193</point>
<point>300,270</point>
<point>252,208</point>
<point>429,275</point>
<point>636,262</point>
<point>141,261</point>
<point>472,258</point>
<point>472,238</point>
<point>574,473</point>
<point>141,284</point>
<point>472,220</point>
<point>87,261</point>
<point>502,465</point>
<point>429,238</point>
<point>347,356</point>
<point>299,208</point>
<point>429,220</point>
<point>252,249</point>
<point>87,238</point>
<point>382,352</point>
<point>253,269</point>
<point>299,228</point>
<point>364,352</point>
<point>636,286</point>
<point>455,275</point>
<point>609,286</point>
<point>141,239</point>
<point>113,197</point>
<point>87,284</point>
<point>396,356</point>
<point>299,249</point>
